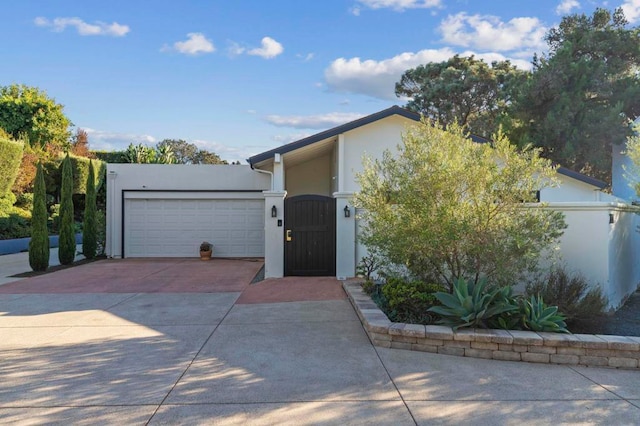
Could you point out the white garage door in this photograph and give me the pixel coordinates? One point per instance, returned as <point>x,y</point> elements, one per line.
<point>176,227</point>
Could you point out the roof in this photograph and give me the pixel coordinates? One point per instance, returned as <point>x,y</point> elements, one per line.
<point>393,110</point>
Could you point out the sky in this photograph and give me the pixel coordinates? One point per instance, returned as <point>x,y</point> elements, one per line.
<point>244,76</point>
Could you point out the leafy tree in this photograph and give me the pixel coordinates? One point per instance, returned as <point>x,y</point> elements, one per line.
<point>448,208</point>
<point>463,90</point>
<point>189,153</point>
<point>582,95</point>
<point>39,244</point>
<point>27,112</point>
<point>67,239</point>
<point>80,144</point>
<point>89,228</point>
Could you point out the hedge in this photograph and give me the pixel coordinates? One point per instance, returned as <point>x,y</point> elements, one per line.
<point>11,155</point>
<point>80,168</point>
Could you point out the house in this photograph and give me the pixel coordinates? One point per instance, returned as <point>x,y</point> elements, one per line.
<point>292,206</point>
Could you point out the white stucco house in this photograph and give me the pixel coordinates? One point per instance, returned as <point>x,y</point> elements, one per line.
<point>291,205</point>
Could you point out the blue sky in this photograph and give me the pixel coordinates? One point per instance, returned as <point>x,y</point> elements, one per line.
<point>241,77</point>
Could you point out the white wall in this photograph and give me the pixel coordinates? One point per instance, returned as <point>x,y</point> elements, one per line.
<point>202,179</point>
<point>570,190</point>
<point>620,185</point>
<point>310,177</point>
<point>624,256</point>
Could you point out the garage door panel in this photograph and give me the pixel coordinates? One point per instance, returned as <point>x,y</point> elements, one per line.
<point>176,227</point>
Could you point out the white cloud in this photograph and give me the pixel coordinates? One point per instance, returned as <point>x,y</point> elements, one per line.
<point>566,6</point>
<point>83,28</point>
<point>235,49</point>
<point>101,140</point>
<point>631,9</point>
<point>489,32</point>
<point>397,5</point>
<point>320,121</point>
<point>195,44</point>
<point>307,57</point>
<point>269,49</point>
<point>377,78</point>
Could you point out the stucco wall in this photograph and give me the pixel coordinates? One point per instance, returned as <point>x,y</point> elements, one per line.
<point>371,140</point>
<point>311,177</point>
<point>570,190</point>
<point>624,252</point>
<point>203,181</point>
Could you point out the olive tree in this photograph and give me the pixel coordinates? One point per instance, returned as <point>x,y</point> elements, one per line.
<point>446,207</point>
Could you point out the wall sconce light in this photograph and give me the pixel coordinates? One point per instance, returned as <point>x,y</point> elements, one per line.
<point>611,218</point>
<point>347,212</point>
<point>274,211</point>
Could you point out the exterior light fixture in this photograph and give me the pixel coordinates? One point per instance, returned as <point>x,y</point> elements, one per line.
<point>274,211</point>
<point>611,218</point>
<point>347,211</point>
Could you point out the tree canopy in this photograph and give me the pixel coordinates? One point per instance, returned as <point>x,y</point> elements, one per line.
<point>189,153</point>
<point>27,112</point>
<point>462,89</point>
<point>582,96</point>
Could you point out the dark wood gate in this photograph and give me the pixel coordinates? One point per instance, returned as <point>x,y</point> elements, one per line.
<point>310,236</point>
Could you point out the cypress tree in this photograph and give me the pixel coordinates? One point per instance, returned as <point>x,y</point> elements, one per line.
<point>89,228</point>
<point>39,244</point>
<point>67,242</point>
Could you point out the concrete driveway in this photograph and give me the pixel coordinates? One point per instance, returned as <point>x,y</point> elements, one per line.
<point>221,356</point>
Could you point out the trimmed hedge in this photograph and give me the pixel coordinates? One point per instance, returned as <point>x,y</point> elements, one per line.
<point>11,155</point>
<point>80,168</point>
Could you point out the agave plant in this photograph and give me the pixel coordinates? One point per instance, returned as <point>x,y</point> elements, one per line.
<point>537,316</point>
<point>472,304</point>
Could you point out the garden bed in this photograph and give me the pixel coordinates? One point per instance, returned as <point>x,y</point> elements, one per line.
<point>509,345</point>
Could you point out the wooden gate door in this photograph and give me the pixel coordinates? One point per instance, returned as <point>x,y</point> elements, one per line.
<point>310,236</point>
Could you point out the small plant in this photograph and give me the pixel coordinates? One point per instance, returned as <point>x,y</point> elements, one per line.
<point>572,294</point>
<point>537,316</point>
<point>472,304</point>
<point>205,246</point>
<point>368,265</point>
<point>409,301</point>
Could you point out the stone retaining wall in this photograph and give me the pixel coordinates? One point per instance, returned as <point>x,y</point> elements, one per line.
<point>509,345</point>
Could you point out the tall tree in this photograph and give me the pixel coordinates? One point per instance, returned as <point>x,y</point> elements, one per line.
<point>89,226</point>
<point>582,95</point>
<point>80,144</point>
<point>67,238</point>
<point>28,113</point>
<point>39,243</point>
<point>189,153</point>
<point>461,89</point>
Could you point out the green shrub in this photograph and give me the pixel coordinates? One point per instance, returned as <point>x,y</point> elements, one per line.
<point>572,294</point>
<point>80,171</point>
<point>39,244</point>
<point>89,237</point>
<point>67,239</point>
<point>11,155</point>
<point>101,232</point>
<point>25,200</point>
<point>538,316</point>
<point>14,221</point>
<point>473,304</point>
<point>409,301</point>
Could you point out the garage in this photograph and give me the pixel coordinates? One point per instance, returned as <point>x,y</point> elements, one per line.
<point>174,224</point>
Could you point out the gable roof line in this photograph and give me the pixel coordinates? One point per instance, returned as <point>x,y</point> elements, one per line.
<point>393,110</point>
